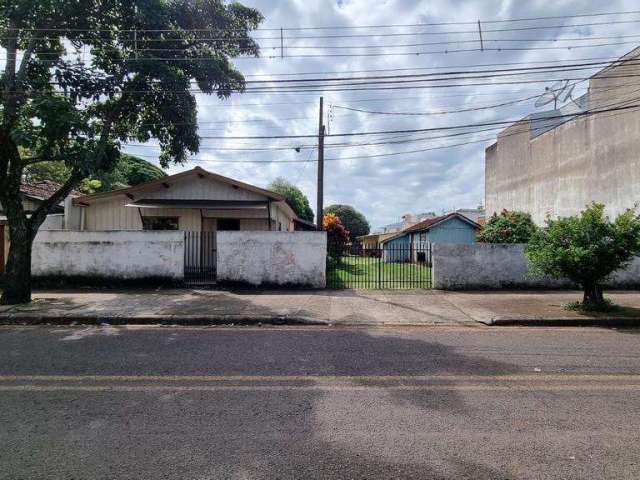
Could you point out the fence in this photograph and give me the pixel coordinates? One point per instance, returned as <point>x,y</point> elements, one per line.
<point>496,266</point>
<point>272,258</point>
<point>389,266</point>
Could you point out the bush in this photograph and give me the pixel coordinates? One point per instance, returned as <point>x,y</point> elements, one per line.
<point>508,227</point>
<point>354,221</point>
<point>585,249</point>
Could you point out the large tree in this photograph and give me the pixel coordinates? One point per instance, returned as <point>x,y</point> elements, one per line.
<point>586,249</point>
<point>128,171</point>
<point>353,220</point>
<point>297,200</point>
<point>82,77</point>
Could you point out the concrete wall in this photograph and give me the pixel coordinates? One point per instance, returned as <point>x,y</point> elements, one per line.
<point>493,266</point>
<point>273,258</point>
<point>119,255</point>
<point>586,159</point>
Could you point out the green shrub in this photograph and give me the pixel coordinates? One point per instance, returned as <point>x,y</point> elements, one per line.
<point>508,227</point>
<point>586,249</point>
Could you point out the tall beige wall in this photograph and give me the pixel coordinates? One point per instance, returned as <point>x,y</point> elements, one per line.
<point>587,159</point>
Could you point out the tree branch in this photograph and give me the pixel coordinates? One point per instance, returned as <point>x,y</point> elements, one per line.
<point>40,214</point>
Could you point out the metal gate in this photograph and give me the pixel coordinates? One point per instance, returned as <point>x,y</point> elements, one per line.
<point>391,266</point>
<point>200,257</point>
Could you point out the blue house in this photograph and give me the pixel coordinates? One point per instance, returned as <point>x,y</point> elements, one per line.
<point>412,244</point>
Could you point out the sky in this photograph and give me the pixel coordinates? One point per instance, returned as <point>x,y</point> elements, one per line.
<point>386,187</point>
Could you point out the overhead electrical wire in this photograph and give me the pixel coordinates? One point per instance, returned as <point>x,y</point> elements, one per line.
<point>632,108</point>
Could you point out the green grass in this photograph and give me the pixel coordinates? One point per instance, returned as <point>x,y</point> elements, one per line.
<point>366,272</point>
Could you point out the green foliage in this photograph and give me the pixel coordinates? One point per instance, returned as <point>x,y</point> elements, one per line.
<point>57,107</point>
<point>354,221</point>
<point>78,112</point>
<point>294,196</point>
<point>508,227</point>
<point>586,248</point>
<point>127,172</point>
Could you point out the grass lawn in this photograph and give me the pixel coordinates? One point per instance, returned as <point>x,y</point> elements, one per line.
<point>367,272</point>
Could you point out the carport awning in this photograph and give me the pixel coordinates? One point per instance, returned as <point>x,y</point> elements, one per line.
<point>202,204</point>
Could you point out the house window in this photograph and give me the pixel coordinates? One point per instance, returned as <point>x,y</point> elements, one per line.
<point>160,223</point>
<point>228,224</point>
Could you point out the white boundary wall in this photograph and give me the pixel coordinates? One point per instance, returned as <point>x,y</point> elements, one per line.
<point>493,266</point>
<point>272,258</point>
<point>115,254</point>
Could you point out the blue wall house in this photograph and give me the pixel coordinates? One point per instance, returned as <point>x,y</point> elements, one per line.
<point>411,245</point>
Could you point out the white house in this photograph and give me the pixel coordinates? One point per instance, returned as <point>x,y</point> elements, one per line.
<point>195,200</point>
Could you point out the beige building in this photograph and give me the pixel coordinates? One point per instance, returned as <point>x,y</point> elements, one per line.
<point>194,200</point>
<point>554,163</point>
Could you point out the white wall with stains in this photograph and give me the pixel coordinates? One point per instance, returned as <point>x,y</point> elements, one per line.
<point>273,258</point>
<point>115,254</point>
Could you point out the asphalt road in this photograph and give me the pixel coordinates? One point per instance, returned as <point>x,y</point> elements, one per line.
<point>319,403</point>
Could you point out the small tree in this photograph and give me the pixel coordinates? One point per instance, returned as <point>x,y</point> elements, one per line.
<point>585,249</point>
<point>354,221</point>
<point>508,227</point>
<point>297,200</point>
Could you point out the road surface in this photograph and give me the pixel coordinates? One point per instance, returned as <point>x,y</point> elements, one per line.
<point>319,403</point>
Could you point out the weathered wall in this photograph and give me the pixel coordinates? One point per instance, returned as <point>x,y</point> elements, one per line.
<point>590,158</point>
<point>492,266</point>
<point>120,255</point>
<point>275,258</point>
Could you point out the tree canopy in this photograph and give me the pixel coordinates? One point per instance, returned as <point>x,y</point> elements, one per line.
<point>83,77</point>
<point>585,248</point>
<point>508,227</point>
<point>297,200</point>
<point>354,221</point>
<point>127,172</point>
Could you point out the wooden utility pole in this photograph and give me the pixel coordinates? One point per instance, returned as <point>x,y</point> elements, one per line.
<point>320,169</point>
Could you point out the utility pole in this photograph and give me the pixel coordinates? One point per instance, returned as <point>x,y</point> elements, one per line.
<point>320,169</point>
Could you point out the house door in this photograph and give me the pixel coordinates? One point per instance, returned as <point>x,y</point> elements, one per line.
<point>2,256</point>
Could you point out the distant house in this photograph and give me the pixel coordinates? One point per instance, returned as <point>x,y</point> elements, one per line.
<point>411,244</point>
<point>32,195</point>
<point>408,220</point>
<point>373,242</point>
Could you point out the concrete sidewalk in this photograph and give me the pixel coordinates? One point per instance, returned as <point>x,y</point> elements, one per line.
<point>323,307</point>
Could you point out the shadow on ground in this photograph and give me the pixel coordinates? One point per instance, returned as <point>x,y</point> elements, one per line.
<point>287,434</point>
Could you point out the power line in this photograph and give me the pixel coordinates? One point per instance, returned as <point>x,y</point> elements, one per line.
<point>417,130</point>
<point>415,25</point>
<point>633,108</point>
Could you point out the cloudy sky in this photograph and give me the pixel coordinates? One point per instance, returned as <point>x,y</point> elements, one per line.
<point>386,187</point>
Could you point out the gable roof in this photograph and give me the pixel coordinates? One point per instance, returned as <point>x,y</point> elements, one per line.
<point>429,223</point>
<point>42,190</point>
<point>432,222</point>
<point>194,171</point>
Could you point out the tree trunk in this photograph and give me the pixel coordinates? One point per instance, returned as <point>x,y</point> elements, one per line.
<point>17,277</point>
<point>593,294</point>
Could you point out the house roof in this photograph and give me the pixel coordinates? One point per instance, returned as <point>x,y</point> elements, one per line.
<point>429,223</point>
<point>85,199</point>
<point>197,170</point>
<point>42,190</point>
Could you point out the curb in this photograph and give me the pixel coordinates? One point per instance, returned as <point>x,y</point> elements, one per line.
<point>608,322</point>
<point>186,320</point>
